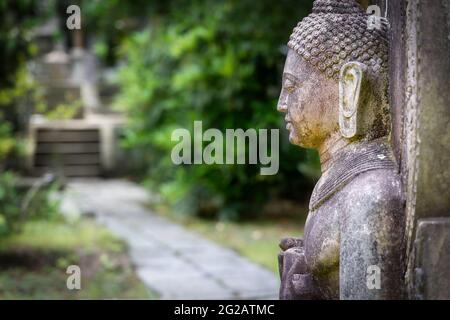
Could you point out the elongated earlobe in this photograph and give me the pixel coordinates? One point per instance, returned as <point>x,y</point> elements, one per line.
<point>351,77</point>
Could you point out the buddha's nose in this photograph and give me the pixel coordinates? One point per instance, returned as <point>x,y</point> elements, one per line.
<point>282,104</point>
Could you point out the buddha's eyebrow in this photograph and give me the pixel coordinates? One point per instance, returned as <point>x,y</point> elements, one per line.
<point>291,77</point>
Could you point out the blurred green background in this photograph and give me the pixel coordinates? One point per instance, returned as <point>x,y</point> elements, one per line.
<point>170,63</point>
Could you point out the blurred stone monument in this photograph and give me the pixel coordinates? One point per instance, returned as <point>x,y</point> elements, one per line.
<point>82,145</point>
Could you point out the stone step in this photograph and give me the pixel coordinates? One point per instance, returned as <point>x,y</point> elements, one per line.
<point>71,151</point>
<point>67,148</point>
<point>68,136</point>
<point>67,159</point>
<point>70,171</point>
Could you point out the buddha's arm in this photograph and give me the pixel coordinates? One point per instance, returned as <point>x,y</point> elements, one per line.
<point>371,246</point>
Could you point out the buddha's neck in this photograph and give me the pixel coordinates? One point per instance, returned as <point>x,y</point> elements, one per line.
<point>333,148</point>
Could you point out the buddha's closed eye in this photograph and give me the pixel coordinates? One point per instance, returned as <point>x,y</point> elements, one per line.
<point>290,85</point>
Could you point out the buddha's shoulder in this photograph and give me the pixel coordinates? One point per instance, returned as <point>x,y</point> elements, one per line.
<point>375,187</point>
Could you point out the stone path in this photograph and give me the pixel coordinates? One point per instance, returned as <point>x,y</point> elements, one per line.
<point>174,262</point>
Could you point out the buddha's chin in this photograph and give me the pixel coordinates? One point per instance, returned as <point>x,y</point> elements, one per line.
<point>294,139</point>
<point>297,140</point>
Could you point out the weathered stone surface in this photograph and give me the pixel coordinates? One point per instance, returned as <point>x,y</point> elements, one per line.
<point>426,128</point>
<point>431,275</point>
<point>336,33</point>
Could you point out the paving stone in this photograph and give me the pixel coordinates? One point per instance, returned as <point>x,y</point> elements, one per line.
<point>181,286</point>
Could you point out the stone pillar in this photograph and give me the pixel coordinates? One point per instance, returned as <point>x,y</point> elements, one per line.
<point>420,98</point>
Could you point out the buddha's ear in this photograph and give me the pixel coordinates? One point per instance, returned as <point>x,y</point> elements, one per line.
<point>352,76</point>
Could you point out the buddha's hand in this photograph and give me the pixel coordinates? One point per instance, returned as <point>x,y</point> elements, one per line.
<point>288,243</point>
<point>296,281</point>
<point>292,258</point>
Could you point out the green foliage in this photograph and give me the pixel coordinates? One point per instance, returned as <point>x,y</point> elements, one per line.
<point>17,17</point>
<point>9,203</point>
<point>219,62</point>
<point>64,111</point>
<point>6,141</point>
<point>12,210</point>
<point>111,21</point>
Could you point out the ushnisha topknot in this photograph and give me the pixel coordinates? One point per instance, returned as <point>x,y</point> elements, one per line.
<point>337,32</point>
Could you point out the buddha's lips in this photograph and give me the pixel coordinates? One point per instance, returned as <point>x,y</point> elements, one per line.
<point>288,125</point>
<point>288,122</point>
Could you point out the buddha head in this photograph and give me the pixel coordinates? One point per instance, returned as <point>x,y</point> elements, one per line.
<point>335,76</point>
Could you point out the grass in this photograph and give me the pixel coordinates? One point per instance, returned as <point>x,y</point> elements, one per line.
<point>256,239</point>
<point>33,263</point>
<point>61,235</point>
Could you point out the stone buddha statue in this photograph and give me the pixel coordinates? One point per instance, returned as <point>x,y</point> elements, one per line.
<point>335,97</point>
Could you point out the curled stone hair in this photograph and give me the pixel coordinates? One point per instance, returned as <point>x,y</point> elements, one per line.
<point>337,32</point>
